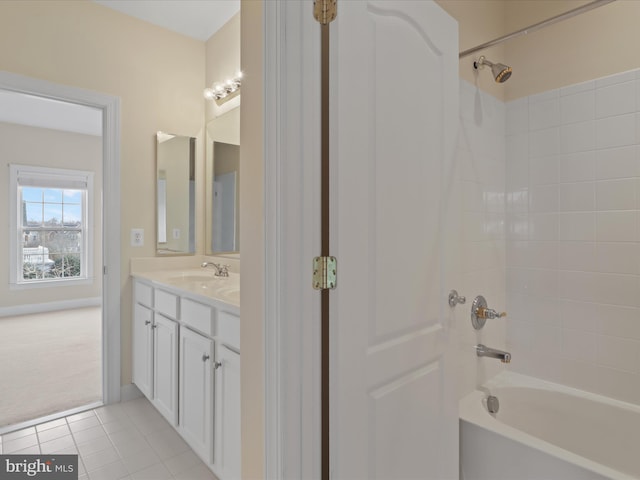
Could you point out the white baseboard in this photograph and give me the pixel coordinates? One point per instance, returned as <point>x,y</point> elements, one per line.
<point>50,306</point>
<point>129,392</point>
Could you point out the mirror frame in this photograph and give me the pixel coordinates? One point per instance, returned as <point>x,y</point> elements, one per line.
<point>222,129</point>
<point>191,176</point>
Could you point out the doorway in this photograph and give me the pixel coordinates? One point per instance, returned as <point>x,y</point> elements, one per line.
<point>64,292</point>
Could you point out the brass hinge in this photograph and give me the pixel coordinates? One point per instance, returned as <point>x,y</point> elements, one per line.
<point>324,273</point>
<point>325,11</point>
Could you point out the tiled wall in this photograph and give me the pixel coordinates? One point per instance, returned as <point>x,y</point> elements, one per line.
<point>480,162</point>
<point>573,235</point>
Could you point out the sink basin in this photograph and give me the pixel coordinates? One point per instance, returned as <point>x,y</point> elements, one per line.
<point>192,277</point>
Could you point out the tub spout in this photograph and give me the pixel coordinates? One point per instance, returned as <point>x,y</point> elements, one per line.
<point>484,351</point>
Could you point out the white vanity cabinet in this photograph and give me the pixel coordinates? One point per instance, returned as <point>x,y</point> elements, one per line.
<point>196,392</point>
<point>186,360</point>
<point>165,367</point>
<point>227,425</point>
<point>143,338</point>
<point>143,349</point>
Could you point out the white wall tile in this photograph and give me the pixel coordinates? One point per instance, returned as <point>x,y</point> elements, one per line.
<point>542,254</point>
<point>576,197</point>
<point>619,353</point>
<point>616,194</point>
<point>616,131</point>
<point>577,256</point>
<point>544,143</point>
<point>579,345</point>
<point>618,384</point>
<point>616,99</point>
<point>577,137</point>
<point>543,170</point>
<point>545,311</point>
<point>544,96</point>
<point>544,114</point>
<point>543,226</point>
<point>543,198</point>
<point>618,321</point>
<point>577,226</point>
<point>614,289</point>
<point>578,286</point>
<point>547,339</point>
<point>578,315</point>
<point>517,226</point>
<point>616,78</point>
<point>577,88</point>
<point>620,257</point>
<point>616,226</point>
<point>543,282</point>
<point>578,375</point>
<point>517,280</point>
<point>577,167</point>
<point>518,116</point>
<point>620,162</point>
<point>579,107</point>
<point>518,307</point>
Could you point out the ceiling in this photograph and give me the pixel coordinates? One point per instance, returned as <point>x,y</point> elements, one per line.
<point>198,19</point>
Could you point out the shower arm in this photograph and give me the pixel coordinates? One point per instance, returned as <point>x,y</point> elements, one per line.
<point>537,26</point>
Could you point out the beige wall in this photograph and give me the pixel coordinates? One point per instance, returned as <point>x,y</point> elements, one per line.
<point>591,45</point>
<point>43,147</point>
<point>595,44</point>
<point>222,61</point>
<point>158,75</point>
<point>252,268</point>
<point>479,21</point>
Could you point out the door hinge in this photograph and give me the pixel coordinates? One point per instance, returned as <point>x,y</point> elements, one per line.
<point>324,273</point>
<point>325,11</point>
<point>104,270</point>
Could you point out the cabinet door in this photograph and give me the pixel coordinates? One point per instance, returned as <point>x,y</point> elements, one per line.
<point>165,367</point>
<point>196,392</point>
<point>143,349</point>
<point>227,420</point>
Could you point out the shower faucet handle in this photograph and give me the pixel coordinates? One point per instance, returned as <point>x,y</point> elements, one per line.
<point>480,312</point>
<point>455,299</point>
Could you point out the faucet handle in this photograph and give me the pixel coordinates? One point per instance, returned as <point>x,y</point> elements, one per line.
<point>480,312</point>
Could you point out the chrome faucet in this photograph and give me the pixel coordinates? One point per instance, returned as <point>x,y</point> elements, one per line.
<point>484,351</point>
<point>220,270</point>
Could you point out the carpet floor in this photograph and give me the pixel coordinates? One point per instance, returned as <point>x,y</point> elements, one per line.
<point>49,362</point>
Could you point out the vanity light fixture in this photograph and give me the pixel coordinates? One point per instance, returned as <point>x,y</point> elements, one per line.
<point>224,91</point>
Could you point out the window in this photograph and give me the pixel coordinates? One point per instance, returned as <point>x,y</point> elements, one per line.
<point>51,225</point>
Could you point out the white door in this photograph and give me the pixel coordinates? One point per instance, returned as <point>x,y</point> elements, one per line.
<point>227,440</point>
<point>143,349</point>
<point>196,392</point>
<point>394,74</point>
<point>165,367</point>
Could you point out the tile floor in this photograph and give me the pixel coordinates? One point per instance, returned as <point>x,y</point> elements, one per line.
<point>129,441</point>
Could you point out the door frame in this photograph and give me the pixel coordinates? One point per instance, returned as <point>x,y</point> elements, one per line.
<point>292,238</point>
<point>110,107</point>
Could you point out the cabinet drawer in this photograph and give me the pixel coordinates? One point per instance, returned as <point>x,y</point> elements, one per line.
<point>166,303</point>
<point>143,294</point>
<point>197,316</point>
<point>229,329</point>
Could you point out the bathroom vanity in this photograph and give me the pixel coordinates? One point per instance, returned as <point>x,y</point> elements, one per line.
<point>186,358</point>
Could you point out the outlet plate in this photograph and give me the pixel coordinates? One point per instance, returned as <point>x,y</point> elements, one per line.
<point>137,237</point>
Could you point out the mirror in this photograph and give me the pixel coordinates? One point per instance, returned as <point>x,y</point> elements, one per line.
<point>223,184</point>
<point>175,194</point>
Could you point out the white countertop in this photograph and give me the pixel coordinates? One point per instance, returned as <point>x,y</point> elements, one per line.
<point>198,282</point>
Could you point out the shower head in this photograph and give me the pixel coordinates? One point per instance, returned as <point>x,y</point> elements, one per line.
<point>500,71</point>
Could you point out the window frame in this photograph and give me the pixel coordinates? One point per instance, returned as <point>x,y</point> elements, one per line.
<point>56,178</point>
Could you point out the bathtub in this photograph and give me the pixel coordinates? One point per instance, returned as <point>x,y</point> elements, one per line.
<point>547,431</point>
